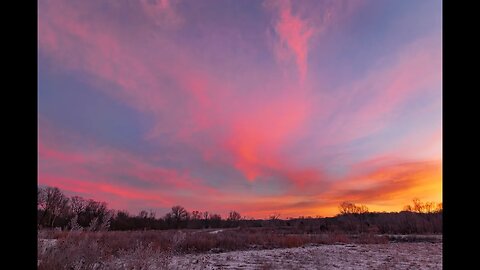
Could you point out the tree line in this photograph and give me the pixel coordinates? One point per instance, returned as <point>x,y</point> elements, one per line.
<point>56,210</point>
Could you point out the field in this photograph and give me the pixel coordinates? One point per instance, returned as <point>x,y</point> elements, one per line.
<point>337,256</point>
<point>236,248</point>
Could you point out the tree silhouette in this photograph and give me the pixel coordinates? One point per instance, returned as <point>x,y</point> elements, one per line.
<point>178,215</point>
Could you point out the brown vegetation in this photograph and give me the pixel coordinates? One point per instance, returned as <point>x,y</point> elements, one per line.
<point>92,249</point>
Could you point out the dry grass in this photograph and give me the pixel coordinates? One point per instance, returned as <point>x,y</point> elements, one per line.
<point>105,250</point>
<point>137,249</point>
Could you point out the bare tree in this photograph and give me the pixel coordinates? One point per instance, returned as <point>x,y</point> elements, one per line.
<point>362,209</point>
<point>421,207</point>
<point>351,208</point>
<point>346,208</point>
<point>429,207</point>
<point>77,204</point>
<point>439,207</point>
<point>143,214</point>
<point>274,216</point>
<point>152,214</point>
<point>53,203</point>
<point>418,206</point>
<point>233,219</point>
<point>234,216</point>
<point>205,216</point>
<point>41,198</point>
<point>179,214</point>
<point>196,215</point>
<point>61,208</point>
<point>93,210</point>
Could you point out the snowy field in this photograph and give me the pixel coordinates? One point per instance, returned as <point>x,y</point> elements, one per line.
<point>420,255</point>
<point>349,256</point>
<point>100,251</point>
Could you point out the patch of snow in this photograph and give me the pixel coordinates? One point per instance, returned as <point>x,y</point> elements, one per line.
<point>352,256</point>
<point>45,244</point>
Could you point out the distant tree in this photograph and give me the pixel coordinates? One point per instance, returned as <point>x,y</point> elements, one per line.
<point>144,220</point>
<point>273,220</point>
<point>362,209</point>
<point>41,199</point>
<point>143,214</point>
<point>122,215</point>
<point>234,216</point>
<point>351,208</point>
<point>76,213</point>
<point>346,208</point>
<point>101,222</point>
<point>274,216</point>
<point>418,206</point>
<point>205,216</point>
<point>233,219</point>
<point>122,221</point>
<point>423,207</point>
<point>439,208</point>
<point>53,203</point>
<point>152,214</point>
<point>77,204</point>
<point>429,207</point>
<point>93,210</point>
<point>178,215</point>
<point>196,215</point>
<point>104,225</point>
<point>215,220</point>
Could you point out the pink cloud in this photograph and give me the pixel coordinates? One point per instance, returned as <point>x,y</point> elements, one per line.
<point>255,137</point>
<point>412,71</point>
<point>103,165</point>
<point>116,195</point>
<point>100,49</point>
<point>296,30</point>
<point>162,12</point>
<point>294,34</point>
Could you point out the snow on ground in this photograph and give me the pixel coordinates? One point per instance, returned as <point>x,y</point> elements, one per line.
<point>215,232</point>
<point>349,256</point>
<point>44,244</point>
<point>402,255</point>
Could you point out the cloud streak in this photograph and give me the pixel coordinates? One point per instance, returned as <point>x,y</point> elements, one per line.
<point>294,34</point>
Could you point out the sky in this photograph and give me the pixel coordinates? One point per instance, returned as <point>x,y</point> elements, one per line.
<point>262,107</point>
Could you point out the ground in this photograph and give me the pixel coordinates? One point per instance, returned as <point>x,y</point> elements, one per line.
<point>348,256</point>
<point>149,250</point>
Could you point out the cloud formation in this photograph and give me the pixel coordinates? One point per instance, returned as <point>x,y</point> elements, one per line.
<point>255,126</point>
